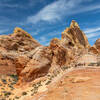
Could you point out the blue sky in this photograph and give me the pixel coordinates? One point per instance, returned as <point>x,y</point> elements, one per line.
<point>46,19</point>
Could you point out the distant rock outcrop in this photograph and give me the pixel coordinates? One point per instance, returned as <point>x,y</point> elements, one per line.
<point>96,47</point>
<point>93,49</point>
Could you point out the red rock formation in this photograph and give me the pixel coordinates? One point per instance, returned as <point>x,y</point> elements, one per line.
<point>61,55</point>
<point>13,49</point>
<point>37,66</point>
<point>74,37</point>
<point>32,60</point>
<point>64,50</point>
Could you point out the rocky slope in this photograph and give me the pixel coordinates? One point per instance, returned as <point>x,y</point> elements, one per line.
<point>37,66</point>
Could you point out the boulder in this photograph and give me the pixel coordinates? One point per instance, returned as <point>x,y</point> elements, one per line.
<point>38,65</point>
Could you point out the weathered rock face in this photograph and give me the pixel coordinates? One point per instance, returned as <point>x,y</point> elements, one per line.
<point>13,49</point>
<point>37,66</point>
<point>20,41</point>
<point>74,37</point>
<point>61,55</point>
<point>72,40</point>
<point>7,65</point>
<point>32,60</point>
<point>20,63</point>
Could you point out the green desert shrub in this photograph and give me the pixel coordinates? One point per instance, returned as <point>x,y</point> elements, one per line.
<point>92,64</point>
<point>98,63</point>
<point>16,97</point>
<point>48,82</point>
<point>15,77</point>
<point>7,93</point>
<point>4,81</point>
<point>24,93</point>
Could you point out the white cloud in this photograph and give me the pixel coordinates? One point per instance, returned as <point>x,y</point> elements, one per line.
<point>92,35</point>
<point>43,40</point>
<point>3,31</point>
<point>91,30</point>
<point>54,33</point>
<point>34,33</point>
<point>58,9</point>
<point>93,39</point>
<point>7,3</point>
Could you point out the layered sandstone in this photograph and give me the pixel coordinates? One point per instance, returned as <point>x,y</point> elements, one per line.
<point>59,53</point>
<point>32,60</point>
<point>15,45</point>
<point>73,41</point>
<point>74,37</point>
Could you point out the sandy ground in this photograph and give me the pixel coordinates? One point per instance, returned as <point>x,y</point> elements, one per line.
<point>66,89</point>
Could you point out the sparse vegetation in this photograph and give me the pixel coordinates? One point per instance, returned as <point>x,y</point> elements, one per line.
<point>24,93</point>
<point>16,97</point>
<point>64,68</point>
<point>15,77</point>
<point>92,64</point>
<point>39,84</point>
<point>98,63</point>
<point>7,93</point>
<point>4,81</point>
<point>6,86</point>
<point>48,82</point>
